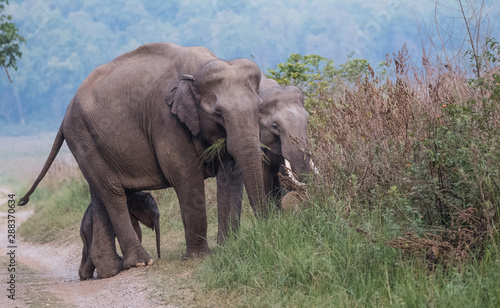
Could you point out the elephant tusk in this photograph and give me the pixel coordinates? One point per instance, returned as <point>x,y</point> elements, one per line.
<point>288,170</point>
<point>313,167</point>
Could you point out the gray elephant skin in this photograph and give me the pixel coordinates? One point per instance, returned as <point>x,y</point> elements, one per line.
<point>142,121</point>
<point>141,206</point>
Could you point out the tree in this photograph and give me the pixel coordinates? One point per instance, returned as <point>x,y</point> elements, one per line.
<point>10,40</point>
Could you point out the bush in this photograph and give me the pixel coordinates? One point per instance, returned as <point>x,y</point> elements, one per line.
<point>318,77</point>
<point>420,145</point>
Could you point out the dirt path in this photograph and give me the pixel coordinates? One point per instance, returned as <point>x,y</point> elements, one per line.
<point>47,275</point>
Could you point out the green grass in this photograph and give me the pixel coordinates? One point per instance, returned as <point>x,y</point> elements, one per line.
<point>315,259</point>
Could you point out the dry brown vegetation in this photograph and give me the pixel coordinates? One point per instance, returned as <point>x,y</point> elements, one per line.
<point>421,141</point>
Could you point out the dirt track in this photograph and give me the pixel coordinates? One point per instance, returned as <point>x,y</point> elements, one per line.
<point>47,276</point>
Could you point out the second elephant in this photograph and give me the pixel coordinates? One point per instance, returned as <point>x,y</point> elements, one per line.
<point>283,130</point>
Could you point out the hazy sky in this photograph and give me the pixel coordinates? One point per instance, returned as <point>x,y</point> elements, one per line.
<point>330,28</point>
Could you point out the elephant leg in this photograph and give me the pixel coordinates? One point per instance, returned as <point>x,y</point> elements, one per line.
<point>113,201</point>
<point>268,180</point>
<point>143,208</point>
<point>229,199</point>
<point>271,183</point>
<point>103,248</point>
<point>191,194</point>
<point>87,268</point>
<point>272,186</point>
<point>107,189</point>
<point>136,226</point>
<point>133,253</point>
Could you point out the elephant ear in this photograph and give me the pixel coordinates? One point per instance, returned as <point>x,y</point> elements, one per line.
<point>183,102</point>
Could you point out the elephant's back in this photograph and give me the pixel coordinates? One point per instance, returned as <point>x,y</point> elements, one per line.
<point>169,50</point>
<point>187,59</point>
<point>166,61</point>
<point>135,81</point>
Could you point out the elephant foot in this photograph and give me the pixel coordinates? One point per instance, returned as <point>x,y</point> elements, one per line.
<point>194,254</point>
<point>110,269</point>
<point>137,259</point>
<point>150,262</point>
<point>86,270</point>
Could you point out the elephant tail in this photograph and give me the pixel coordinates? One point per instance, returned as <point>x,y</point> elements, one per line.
<point>53,153</point>
<point>157,231</point>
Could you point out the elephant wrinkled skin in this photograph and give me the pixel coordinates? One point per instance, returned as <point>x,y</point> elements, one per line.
<point>142,121</point>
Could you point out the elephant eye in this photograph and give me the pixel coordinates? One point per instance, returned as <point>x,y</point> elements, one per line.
<point>218,116</point>
<point>275,126</point>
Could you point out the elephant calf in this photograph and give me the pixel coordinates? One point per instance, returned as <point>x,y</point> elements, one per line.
<point>142,207</point>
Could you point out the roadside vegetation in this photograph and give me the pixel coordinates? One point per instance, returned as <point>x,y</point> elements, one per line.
<point>59,206</point>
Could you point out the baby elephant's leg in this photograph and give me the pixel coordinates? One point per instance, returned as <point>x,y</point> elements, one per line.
<point>87,268</point>
<point>142,207</point>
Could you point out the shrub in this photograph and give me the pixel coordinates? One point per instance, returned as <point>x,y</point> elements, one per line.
<point>420,145</point>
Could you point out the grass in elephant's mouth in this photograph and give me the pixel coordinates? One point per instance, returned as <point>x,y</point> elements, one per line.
<point>218,149</point>
<point>214,152</point>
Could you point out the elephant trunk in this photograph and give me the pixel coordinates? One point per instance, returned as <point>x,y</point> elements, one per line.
<point>248,155</point>
<point>156,227</point>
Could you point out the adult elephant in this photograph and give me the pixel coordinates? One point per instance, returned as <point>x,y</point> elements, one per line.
<point>283,124</point>
<point>142,121</point>
<point>283,132</point>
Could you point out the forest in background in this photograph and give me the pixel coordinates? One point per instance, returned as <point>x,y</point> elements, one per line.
<point>66,40</point>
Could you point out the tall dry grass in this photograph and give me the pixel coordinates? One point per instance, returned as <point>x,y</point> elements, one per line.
<point>420,141</point>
